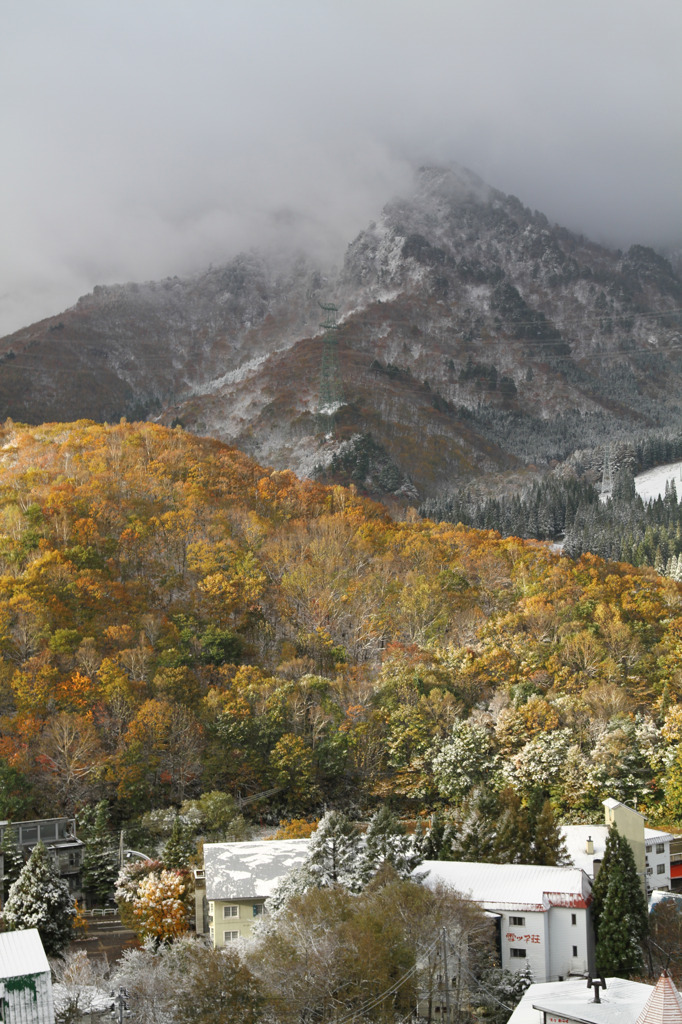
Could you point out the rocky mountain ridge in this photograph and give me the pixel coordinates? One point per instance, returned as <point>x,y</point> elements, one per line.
<point>474,338</point>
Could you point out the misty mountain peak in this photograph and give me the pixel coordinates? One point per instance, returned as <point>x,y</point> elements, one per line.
<point>474,338</point>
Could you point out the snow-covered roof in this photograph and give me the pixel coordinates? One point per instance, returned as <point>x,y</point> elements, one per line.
<point>664,896</point>
<point>22,952</point>
<point>510,886</point>
<point>611,803</point>
<point>252,870</point>
<point>654,835</point>
<point>576,837</point>
<point>621,1002</point>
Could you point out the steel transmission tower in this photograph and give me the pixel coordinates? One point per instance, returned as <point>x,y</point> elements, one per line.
<point>331,390</point>
<point>607,477</point>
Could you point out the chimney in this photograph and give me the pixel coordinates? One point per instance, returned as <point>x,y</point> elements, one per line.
<point>589,845</point>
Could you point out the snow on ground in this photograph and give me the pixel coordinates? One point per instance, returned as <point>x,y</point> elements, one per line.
<point>651,484</point>
<point>232,377</point>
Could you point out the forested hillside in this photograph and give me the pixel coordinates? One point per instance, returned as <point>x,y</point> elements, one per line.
<point>567,504</point>
<point>175,619</point>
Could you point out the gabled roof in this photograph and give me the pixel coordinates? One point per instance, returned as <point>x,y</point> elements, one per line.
<point>510,886</point>
<point>611,804</point>
<point>22,952</point>
<point>237,871</point>
<point>664,1005</point>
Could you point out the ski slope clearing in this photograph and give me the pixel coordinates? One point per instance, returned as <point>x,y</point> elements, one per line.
<point>651,484</point>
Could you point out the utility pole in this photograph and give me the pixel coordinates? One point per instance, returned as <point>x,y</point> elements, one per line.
<point>448,1016</point>
<point>119,1006</point>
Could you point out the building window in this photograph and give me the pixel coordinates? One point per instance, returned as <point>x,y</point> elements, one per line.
<point>518,921</point>
<point>660,869</point>
<point>575,951</point>
<point>660,847</point>
<point>231,936</point>
<point>257,909</point>
<point>517,954</point>
<point>649,871</point>
<point>231,911</point>
<point>574,918</point>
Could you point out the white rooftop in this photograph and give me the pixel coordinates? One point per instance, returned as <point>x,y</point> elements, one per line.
<point>510,886</point>
<point>576,837</point>
<point>621,1002</point>
<point>612,803</point>
<point>654,835</point>
<point>22,952</point>
<point>250,870</point>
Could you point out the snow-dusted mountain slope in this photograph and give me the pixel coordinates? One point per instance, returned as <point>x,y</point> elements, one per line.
<point>474,338</point>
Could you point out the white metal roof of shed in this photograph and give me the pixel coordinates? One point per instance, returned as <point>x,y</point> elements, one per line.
<point>22,952</point>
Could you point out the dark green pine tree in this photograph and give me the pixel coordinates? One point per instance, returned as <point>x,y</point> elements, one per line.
<point>438,839</point>
<point>181,845</point>
<point>477,834</point>
<point>513,836</point>
<point>549,845</point>
<point>100,857</point>
<point>619,910</point>
<point>40,899</point>
<point>13,860</point>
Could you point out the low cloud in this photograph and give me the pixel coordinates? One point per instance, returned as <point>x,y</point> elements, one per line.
<point>145,139</point>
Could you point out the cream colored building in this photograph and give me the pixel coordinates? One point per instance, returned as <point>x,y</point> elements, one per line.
<point>238,878</point>
<point>651,847</point>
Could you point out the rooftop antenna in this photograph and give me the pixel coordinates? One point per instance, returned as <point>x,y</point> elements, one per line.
<point>331,390</point>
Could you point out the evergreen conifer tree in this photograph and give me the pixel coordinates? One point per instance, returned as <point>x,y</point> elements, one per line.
<point>12,859</point>
<point>40,899</point>
<point>386,841</point>
<point>437,841</point>
<point>549,845</point>
<point>619,910</point>
<point>476,837</point>
<point>100,858</point>
<point>334,850</point>
<point>181,845</point>
<point>513,838</point>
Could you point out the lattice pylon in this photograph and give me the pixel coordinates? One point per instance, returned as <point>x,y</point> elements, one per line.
<point>606,490</point>
<point>331,389</point>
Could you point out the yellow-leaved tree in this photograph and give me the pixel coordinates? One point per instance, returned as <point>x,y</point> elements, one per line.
<point>162,905</point>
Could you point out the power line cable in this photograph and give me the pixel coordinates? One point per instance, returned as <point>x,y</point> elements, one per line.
<point>391,990</point>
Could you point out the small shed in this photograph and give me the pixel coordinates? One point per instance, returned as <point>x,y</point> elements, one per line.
<point>25,980</point>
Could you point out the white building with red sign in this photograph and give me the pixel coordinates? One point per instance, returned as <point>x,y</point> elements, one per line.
<point>543,912</point>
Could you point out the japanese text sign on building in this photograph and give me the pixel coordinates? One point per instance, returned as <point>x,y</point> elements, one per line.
<point>513,937</point>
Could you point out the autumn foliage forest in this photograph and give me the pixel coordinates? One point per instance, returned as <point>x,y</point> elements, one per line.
<point>176,620</point>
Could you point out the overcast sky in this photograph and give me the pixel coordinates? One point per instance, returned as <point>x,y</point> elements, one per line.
<point>145,138</point>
